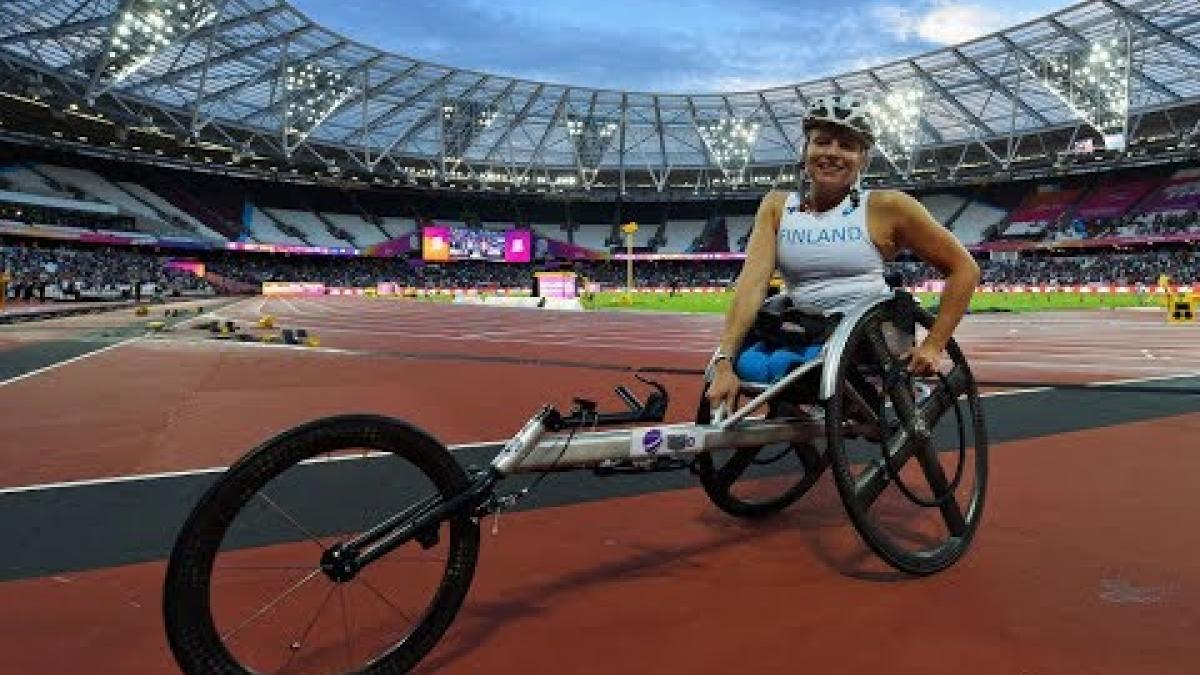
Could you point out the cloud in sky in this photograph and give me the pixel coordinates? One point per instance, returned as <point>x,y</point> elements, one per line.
<point>656,45</point>
<point>945,22</point>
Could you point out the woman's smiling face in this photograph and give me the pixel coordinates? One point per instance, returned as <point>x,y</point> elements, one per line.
<point>833,157</point>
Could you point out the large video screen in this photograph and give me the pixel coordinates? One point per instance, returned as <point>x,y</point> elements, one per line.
<point>448,244</point>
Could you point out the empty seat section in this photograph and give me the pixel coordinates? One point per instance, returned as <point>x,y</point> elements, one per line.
<point>973,224</point>
<point>593,236</point>
<point>307,222</point>
<point>681,234</point>
<point>166,207</point>
<point>364,233</point>
<point>98,187</point>
<point>398,227</point>
<point>24,180</point>
<point>738,228</point>
<point>263,229</point>
<point>942,205</point>
<point>549,231</point>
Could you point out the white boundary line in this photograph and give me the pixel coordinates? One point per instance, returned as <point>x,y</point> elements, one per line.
<point>74,359</point>
<point>110,480</point>
<point>94,352</point>
<point>460,447</point>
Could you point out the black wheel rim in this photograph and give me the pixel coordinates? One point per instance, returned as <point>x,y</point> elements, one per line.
<point>924,522</point>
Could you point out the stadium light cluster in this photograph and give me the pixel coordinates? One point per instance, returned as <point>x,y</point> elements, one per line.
<point>730,142</point>
<point>143,28</point>
<point>897,119</point>
<point>591,135</point>
<point>462,122</point>
<point>313,92</point>
<point>1094,82</point>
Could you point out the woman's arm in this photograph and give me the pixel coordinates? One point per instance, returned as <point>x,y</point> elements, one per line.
<point>748,296</point>
<point>917,231</point>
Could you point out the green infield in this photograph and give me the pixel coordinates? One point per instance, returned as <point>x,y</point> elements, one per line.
<point>980,302</point>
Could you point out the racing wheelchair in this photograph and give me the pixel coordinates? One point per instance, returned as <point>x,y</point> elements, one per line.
<point>272,572</point>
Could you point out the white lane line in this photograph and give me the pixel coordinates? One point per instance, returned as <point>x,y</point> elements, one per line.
<point>145,477</point>
<point>455,448</point>
<point>74,359</point>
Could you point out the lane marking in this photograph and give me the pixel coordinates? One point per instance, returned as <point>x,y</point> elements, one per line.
<point>95,352</point>
<point>73,359</point>
<point>185,473</point>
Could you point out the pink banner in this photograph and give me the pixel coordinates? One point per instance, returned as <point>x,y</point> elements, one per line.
<point>292,288</point>
<point>1044,206</point>
<point>1112,201</point>
<point>1182,194</point>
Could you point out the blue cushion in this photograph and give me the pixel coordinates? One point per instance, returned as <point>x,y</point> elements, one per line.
<point>751,364</point>
<point>758,364</point>
<point>781,361</point>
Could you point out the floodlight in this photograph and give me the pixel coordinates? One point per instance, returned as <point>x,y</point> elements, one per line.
<point>730,142</point>
<point>897,119</point>
<point>144,28</point>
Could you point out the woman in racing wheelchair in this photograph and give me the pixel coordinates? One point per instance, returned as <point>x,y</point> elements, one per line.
<point>829,244</point>
<point>867,376</point>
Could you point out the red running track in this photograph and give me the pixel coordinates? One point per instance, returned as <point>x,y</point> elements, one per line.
<point>1098,577</point>
<point>1082,565</point>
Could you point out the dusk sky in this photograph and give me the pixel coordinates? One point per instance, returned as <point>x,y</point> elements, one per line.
<point>677,46</point>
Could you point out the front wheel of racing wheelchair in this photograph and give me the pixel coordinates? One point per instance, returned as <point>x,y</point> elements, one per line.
<point>908,455</point>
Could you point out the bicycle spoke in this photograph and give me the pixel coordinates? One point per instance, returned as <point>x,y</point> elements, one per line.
<point>291,520</point>
<point>346,627</point>
<point>381,596</point>
<point>298,644</point>
<point>267,607</point>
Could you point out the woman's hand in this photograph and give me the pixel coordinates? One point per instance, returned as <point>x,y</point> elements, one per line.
<point>925,359</point>
<point>724,388</point>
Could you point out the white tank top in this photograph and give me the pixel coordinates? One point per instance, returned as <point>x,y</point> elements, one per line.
<point>828,259</point>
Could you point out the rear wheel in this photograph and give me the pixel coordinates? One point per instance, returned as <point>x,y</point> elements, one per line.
<point>757,482</point>
<point>909,457</point>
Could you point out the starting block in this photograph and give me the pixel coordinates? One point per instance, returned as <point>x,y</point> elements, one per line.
<point>299,336</point>
<point>156,325</point>
<point>1181,308</point>
<point>141,310</point>
<point>266,321</point>
<point>221,329</point>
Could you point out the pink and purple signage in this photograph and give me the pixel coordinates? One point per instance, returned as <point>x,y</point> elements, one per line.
<point>1113,200</point>
<point>517,245</point>
<point>435,244</point>
<point>1181,194</point>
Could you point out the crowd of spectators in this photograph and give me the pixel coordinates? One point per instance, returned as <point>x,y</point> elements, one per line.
<point>664,273</point>
<point>33,214</point>
<point>1182,266</point>
<point>1121,268</point>
<point>41,273</point>
<point>1140,225</point>
<point>38,272</point>
<point>360,272</point>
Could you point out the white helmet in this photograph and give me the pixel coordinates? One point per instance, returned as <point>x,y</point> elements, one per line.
<point>844,110</point>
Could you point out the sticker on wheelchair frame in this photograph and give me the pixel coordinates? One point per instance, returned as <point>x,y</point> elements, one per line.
<point>651,442</point>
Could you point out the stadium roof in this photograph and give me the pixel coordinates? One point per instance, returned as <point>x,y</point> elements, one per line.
<point>260,79</point>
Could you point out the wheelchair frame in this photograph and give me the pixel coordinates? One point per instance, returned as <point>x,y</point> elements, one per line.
<point>529,451</point>
<point>550,441</point>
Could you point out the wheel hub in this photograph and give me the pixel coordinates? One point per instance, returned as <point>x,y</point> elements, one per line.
<point>339,564</point>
